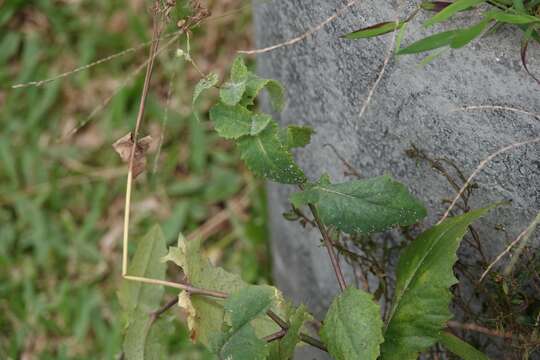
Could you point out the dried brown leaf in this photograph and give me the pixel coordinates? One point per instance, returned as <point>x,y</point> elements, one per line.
<point>123,147</point>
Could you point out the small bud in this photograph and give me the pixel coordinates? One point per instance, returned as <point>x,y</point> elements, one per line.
<point>180,53</point>
<point>181,23</point>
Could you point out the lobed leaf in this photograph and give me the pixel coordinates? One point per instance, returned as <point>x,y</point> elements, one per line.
<point>256,84</point>
<point>242,344</point>
<point>248,303</point>
<point>353,327</point>
<point>420,307</point>
<point>266,156</point>
<point>362,206</point>
<point>231,122</point>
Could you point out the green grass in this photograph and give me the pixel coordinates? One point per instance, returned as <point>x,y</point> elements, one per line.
<point>61,198</point>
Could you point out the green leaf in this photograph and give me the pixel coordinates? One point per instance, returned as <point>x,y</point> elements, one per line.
<point>465,36</point>
<point>434,5</point>
<point>205,314</point>
<point>204,84</point>
<point>353,327</point>
<point>517,19</point>
<point>256,84</point>
<point>259,122</point>
<point>247,304</point>
<point>429,43</point>
<point>362,206</point>
<point>242,344</point>
<point>239,340</point>
<point>450,10</point>
<point>232,91</point>
<point>374,30</point>
<point>144,340</point>
<point>420,308</point>
<point>283,349</point>
<point>461,348</point>
<point>136,297</point>
<point>266,156</point>
<point>231,122</point>
<point>294,136</point>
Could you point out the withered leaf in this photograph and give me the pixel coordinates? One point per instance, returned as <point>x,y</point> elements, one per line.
<point>123,147</point>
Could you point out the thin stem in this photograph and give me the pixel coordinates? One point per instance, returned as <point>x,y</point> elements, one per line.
<point>275,336</point>
<point>185,287</point>
<point>329,247</point>
<point>313,342</point>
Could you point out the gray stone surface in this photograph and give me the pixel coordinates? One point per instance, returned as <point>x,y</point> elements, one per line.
<point>327,81</point>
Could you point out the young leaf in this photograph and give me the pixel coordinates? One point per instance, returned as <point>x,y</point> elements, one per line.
<point>459,347</point>
<point>449,11</point>
<point>353,327</point>
<point>294,136</point>
<point>374,30</point>
<point>429,43</point>
<point>465,36</point>
<point>266,156</point>
<point>254,86</point>
<point>284,349</point>
<point>204,84</point>
<point>231,122</point>
<point>232,91</point>
<point>138,300</point>
<point>363,206</point>
<point>421,299</point>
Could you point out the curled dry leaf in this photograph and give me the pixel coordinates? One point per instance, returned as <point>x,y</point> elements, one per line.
<point>123,147</point>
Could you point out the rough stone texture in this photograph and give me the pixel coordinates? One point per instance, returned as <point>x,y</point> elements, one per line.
<point>327,81</point>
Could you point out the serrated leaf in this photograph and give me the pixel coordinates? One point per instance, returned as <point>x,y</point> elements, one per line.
<point>294,136</point>
<point>420,308</point>
<point>204,84</point>
<point>256,84</point>
<point>362,206</point>
<point>449,11</point>
<point>429,43</point>
<point>205,314</point>
<point>283,349</point>
<point>374,30</point>
<point>466,35</point>
<point>248,303</point>
<point>353,327</point>
<point>267,157</point>
<point>231,122</point>
<point>136,297</point>
<point>138,300</point>
<point>232,91</point>
<point>460,348</point>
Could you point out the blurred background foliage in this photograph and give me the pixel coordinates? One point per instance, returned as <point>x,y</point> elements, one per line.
<point>62,185</point>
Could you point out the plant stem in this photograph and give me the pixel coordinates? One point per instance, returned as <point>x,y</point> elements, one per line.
<point>329,247</point>
<point>275,336</point>
<point>313,342</point>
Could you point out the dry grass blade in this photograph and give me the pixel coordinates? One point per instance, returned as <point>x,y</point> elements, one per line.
<point>479,168</point>
<point>304,35</point>
<point>522,237</point>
